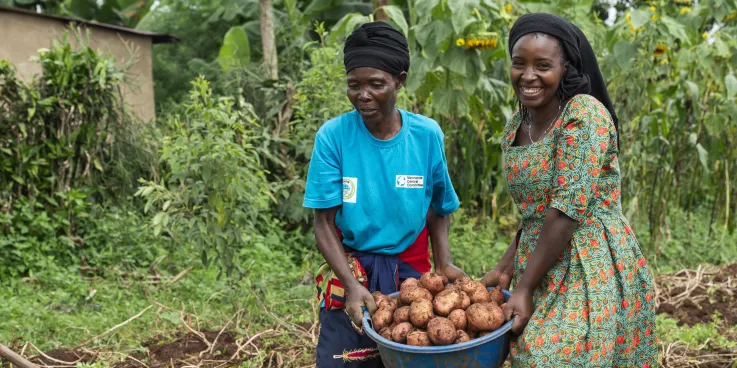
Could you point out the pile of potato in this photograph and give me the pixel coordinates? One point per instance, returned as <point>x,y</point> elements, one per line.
<point>429,312</point>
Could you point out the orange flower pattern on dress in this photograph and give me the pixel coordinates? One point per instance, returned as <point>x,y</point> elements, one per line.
<point>595,307</point>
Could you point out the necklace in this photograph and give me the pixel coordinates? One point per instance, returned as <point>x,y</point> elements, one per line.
<point>528,125</point>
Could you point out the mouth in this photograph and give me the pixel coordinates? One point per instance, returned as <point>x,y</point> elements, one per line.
<point>366,111</point>
<point>530,91</point>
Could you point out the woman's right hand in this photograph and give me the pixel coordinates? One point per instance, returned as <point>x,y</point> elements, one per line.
<point>356,297</point>
<point>501,275</point>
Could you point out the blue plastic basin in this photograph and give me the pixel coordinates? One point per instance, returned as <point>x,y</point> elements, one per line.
<point>489,351</point>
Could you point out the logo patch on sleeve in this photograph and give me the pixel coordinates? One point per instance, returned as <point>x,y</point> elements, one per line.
<point>410,181</point>
<point>350,190</point>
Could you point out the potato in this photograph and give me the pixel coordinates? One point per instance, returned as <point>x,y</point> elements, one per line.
<point>502,306</point>
<point>418,338</point>
<point>409,295</point>
<point>496,295</point>
<point>433,282</point>
<point>466,301</point>
<point>469,286</point>
<point>484,333</point>
<point>393,305</point>
<point>458,317</point>
<point>420,313</point>
<point>462,337</point>
<point>485,316</point>
<point>401,315</point>
<point>382,318</point>
<point>399,333</point>
<point>472,334</point>
<point>409,282</point>
<point>462,280</point>
<point>447,300</point>
<point>384,301</point>
<point>476,291</point>
<point>441,331</point>
<point>386,333</point>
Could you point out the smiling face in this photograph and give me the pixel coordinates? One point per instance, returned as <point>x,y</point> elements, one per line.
<point>537,69</point>
<point>373,92</point>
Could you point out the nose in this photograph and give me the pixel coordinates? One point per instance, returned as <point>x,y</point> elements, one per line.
<point>363,95</point>
<point>528,75</point>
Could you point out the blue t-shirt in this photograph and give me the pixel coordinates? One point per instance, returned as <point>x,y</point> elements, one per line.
<point>385,187</point>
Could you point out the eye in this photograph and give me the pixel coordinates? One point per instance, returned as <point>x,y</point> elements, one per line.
<point>518,64</point>
<point>353,86</point>
<point>377,85</point>
<point>544,66</point>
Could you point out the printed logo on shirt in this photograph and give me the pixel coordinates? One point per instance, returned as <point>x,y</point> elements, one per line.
<point>350,189</point>
<point>410,181</point>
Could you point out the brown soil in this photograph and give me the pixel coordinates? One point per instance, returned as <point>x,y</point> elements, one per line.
<point>704,302</point>
<point>187,349</point>
<point>64,355</point>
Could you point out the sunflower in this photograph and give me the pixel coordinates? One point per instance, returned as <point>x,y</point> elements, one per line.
<point>460,42</point>
<point>660,50</point>
<point>685,10</point>
<point>704,35</point>
<point>482,43</point>
<point>508,8</point>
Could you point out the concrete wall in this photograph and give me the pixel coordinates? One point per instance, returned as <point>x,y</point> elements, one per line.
<point>21,36</point>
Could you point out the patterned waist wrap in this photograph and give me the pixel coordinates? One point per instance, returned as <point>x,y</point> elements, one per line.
<point>377,272</point>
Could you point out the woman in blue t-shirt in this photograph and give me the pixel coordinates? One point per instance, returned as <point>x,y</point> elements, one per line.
<point>379,184</point>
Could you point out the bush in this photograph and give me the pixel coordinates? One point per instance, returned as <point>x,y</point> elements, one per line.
<point>215,195</point>
<point>67,145</point>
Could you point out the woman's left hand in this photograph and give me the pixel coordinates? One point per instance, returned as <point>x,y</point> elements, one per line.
<point>451,271</point>
<point>520,307</point>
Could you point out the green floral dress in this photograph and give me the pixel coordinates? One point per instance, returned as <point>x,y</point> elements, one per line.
<point>595,306</point>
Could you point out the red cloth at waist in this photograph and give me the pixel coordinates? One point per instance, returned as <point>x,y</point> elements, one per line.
<point>418,253</point>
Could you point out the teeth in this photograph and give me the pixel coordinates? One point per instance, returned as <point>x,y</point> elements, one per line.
<point>531,91</point>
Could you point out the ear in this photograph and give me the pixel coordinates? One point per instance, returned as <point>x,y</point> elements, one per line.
<point>400,79</point>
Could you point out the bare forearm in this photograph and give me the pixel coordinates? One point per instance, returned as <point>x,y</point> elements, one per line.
<point>439,227</point>
<point>331,248</point>
<point>555,235</point>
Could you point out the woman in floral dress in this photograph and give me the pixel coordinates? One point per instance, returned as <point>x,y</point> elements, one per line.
<point>583,294</point>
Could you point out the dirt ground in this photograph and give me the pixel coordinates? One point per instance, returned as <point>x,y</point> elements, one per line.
<point>696,297</point>
<point>689,296</point>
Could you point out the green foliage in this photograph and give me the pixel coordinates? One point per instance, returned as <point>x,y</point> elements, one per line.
<point>697,336</point>
<point>119,12</point>
<point>686,240</point>
<point>476,243</point>
<point>66,143</point>
<point>216,194</point>
<point>236,50</point>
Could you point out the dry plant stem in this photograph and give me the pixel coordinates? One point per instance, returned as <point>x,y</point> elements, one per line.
<point>14,358</point>
<point>196,333</point>
<point>215,342</point>
<point>114,327</point>
<point>179,276</point>
<point>242,346</point>
<point>131,358</point>
<point>52,359</point>
<point>678,355</point>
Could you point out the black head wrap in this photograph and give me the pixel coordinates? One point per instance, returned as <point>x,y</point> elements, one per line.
<point>376,45</point>
<point>583,74</point>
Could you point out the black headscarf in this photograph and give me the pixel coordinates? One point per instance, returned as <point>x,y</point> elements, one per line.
<point>376,45</point>
<point>583,74</point>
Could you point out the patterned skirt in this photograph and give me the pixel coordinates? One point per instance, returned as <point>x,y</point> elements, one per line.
<point>595,307</point>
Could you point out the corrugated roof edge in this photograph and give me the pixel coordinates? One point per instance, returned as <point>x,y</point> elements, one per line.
<point>155,37</point>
